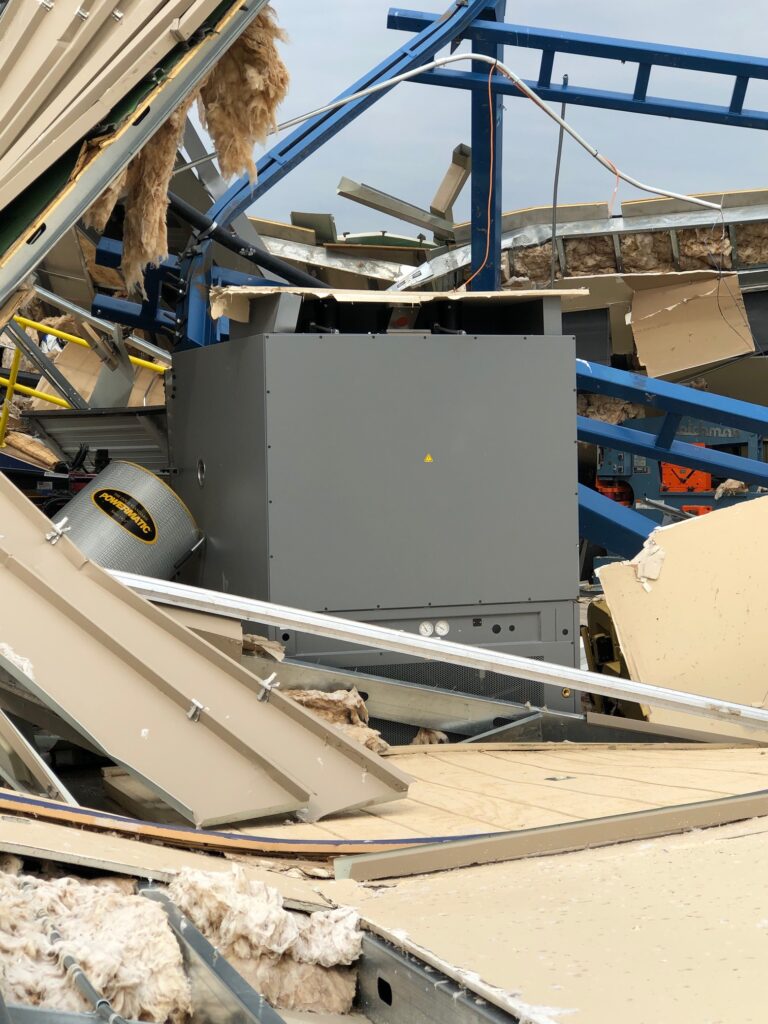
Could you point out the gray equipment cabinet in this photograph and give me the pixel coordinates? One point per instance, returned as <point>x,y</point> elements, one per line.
<point>425,481</point>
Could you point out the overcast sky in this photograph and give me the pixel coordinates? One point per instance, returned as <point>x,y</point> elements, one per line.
<point>403,143</point>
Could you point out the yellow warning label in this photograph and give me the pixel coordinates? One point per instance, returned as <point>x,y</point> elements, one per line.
<point>428,458</point>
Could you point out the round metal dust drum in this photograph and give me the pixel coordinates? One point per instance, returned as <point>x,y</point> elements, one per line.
<point>128,519</point>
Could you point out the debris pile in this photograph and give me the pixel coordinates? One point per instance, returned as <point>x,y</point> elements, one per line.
<point>345,709</point>
<point>122,942</point>
<point>238,101</point>
<point>297,962</point>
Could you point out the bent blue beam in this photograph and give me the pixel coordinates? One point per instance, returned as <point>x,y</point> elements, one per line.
<point>619,529</point>
<point>626,102</point>
<point>597,379</point>
<point>626,50</point>
<point>308,137</point>
<point>679,453</point>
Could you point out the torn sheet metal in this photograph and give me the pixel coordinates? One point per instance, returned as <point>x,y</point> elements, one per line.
<point>53,210</point>
<point>435,648</point>
<point>318,256</point>
<point>202,732</point>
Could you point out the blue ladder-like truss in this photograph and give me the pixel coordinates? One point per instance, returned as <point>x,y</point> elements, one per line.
<point>482,23</point>
<point>621,529</point>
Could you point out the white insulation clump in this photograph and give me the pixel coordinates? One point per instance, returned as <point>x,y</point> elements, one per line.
<point>121,940</point>
<point>296,961</point>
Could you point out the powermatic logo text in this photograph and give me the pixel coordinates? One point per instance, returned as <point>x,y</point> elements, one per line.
<point>126,512</point>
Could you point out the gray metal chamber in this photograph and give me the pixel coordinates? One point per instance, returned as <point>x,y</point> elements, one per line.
<point>423,481</point>
<point>127,518</point>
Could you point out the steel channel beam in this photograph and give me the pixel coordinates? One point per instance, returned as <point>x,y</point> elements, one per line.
<point>486,181</point>
<point>426,707</point>
<point>395,987</point>
<point>597,379</point>
<point>445,261</point>
<point>435,649</point>
<point>602,98</point>
<point>548,840</point>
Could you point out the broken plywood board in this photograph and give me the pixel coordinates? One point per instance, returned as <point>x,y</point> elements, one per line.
<point>689,609</point>
<point>675,926</point>
<point>139,686</point>
<point>465,790</point>
<point>669,775</point>
<point>234,301</point>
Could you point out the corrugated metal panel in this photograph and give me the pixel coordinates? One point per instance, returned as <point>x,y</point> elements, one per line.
<point>133,435</point>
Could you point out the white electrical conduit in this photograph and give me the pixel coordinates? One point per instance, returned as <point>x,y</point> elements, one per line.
<point>508,73</point>
<point>435,648</point>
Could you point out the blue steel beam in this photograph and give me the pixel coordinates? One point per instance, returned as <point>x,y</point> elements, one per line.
<point>626,50</point>
<point>486,171</point>
<point>604,99</point>
<point>597,379</point>
<point>619,529</point>
<point>679,453</point>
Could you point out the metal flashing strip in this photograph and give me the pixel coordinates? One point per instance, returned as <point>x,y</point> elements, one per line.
<point>127,678</point>
<point>436,649</point>
<point>114,153</point>
<point>445,261</point>
<point>554,839</point>
<point>196,839</point>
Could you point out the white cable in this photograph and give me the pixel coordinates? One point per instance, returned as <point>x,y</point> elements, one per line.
<point>484,59</point>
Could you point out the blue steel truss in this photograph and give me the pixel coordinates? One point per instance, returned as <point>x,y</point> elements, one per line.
<point>482,23</point>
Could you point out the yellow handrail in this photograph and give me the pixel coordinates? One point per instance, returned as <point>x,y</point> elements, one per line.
<point>9,395</point>
<point>24,322</point>
<point>22,389</point>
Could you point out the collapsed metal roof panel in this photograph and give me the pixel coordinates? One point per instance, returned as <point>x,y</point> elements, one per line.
<point>85,142</point>
<point>210,738</point>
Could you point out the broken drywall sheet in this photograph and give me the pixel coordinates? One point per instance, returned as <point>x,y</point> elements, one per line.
<point>675,322</point>
<point>690,610</point>
<point>680,327</point>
